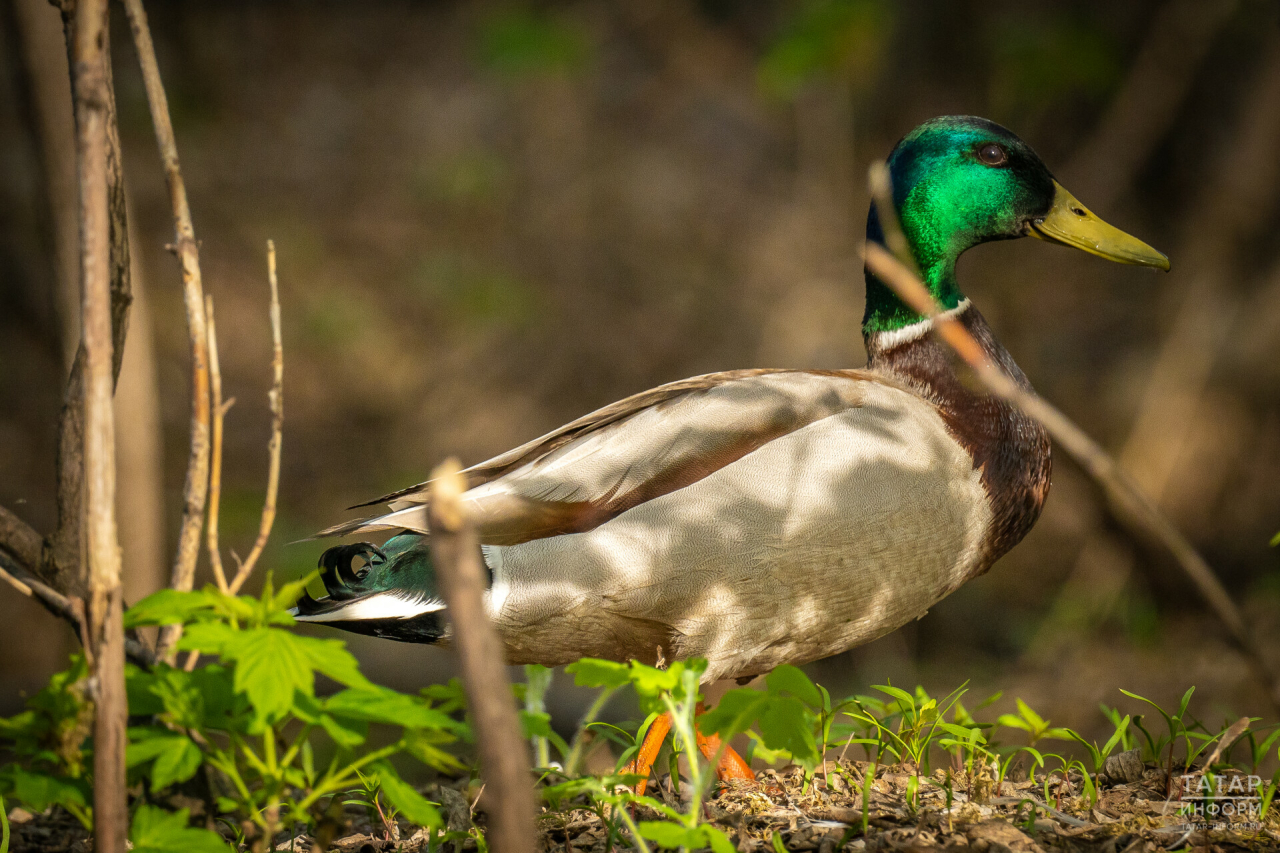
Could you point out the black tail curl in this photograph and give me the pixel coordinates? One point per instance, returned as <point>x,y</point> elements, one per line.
<point>343,569</point>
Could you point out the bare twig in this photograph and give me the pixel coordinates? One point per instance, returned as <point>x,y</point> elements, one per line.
<point>1232,208</point>
<point>20,539</point>
<point>62,606</point>
<point>1229,737</point>
<point>105,643</point>
<point>17,584</point>
<point>215,457</point>
<point>504,754</point>
<point>276,398</point>
<point>66,567</point>
<point>215,463</point>
<point>195,489</point>
<point>1128,501</point>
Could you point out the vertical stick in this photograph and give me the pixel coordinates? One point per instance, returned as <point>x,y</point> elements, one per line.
<point>195,489</point>
<point>276,399</point>
<point>215,458</point>
<point>106,627</point>
<point>504,755</point>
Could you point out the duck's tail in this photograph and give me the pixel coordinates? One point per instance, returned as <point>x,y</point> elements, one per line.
<point>386,592</point>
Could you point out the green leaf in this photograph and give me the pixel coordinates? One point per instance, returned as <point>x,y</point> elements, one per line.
<point>670,835</point>
<point>594,672</point>
<point>1275,540</point>
<point>171,607</point>
<point>289,594</point>
<point>207,637</point>
<point>651,681</point>
<point>785,723</point>
<point>1010,721</point>
<point>409,802</point>
<point>1029,715</point>
<point>734,714</point>
<point>271,664</point>
<point>1186,699</point>
<point>1115,738</point>
<point>795,682</point>
<point>155,830</point>
<point>717,840</point>
<point>535,724</point>
<point>345,733</point>
<point>383,705</point>
<point>38,791</point>
<point>424,745</point>
<point>176,757</point>
<point>905,700</point>
<point>332,658</point>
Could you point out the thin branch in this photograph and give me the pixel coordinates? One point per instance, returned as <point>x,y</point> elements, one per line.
<point>66,566</point>
<point>20,539</point>
<point>215,456</point>
<point>63,607</point>
<point>195,489</point>
<point>504,754</point>
<point>105,645</point>
<point>1131,505</point>
<point>276,398</point>
<point>1232,208</point>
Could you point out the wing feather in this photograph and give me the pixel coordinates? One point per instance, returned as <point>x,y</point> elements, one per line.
<point>599,466</point>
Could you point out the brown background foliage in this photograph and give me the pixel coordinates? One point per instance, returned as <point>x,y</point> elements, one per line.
<point>492,218</point>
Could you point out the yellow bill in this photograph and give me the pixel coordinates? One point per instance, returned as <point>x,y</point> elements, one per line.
<point>1072,224</point>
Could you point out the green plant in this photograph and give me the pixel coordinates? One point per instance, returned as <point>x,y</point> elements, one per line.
<point>1097,754</point>
<point>673,691</point>
<point>1258,749</point>
<point>48,740</point>
<point>1195,742</point>
<point>4,828</point>
<point>155,830</point>
<point>250,722</point>
<point>1036,727</point>
<point>534,718</point>
<point>250,718</point>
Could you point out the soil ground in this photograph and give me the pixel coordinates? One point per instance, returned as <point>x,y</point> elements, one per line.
<point>1138,816</point>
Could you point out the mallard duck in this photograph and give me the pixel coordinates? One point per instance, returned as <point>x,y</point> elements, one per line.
<point>766,516</point>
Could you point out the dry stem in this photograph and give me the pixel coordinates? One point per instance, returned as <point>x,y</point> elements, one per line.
<point>63,607</point>
<point>195,489</point>
<point>1128,501</point>
<point>504,754</point>
<point>65,565</point>
<point>105,643</point>
<point>276,398</point>
<point>215,457</point>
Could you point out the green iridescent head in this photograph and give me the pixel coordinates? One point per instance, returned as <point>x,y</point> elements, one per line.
<point>961,180</point>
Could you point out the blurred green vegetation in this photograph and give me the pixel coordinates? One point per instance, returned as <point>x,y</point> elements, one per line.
<point>841,39</point>
<point>471,291</point>
<point>1038,59</point>
<point>519,41</point>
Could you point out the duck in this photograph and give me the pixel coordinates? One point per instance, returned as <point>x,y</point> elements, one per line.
<point>760,517</point>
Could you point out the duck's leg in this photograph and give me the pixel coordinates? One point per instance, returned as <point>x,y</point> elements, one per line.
<point>643,762</point>
<point>731,765</point>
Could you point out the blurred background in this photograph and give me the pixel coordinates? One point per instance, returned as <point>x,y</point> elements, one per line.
<point>494,217</point>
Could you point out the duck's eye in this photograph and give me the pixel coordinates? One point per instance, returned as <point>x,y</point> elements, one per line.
<point>992,155</point>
